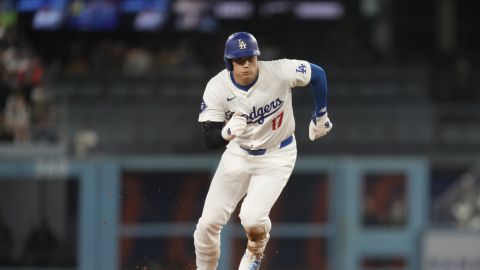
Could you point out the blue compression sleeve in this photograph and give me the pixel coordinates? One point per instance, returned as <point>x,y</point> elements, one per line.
<point>318,83</point>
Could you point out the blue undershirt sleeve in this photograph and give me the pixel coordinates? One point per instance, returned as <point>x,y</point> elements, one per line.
<point>318,84</point>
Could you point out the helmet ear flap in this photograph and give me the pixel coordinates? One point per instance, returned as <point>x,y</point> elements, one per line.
<point>228,64</point>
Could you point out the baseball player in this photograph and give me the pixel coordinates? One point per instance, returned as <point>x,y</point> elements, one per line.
<point>247,107</point>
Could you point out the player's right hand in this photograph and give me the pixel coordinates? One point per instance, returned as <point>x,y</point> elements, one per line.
<point>319,127</point>
<point>234,127</point>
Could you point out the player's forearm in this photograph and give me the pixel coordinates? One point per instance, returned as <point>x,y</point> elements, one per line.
<point>318,83</point>
<point>212,135</point>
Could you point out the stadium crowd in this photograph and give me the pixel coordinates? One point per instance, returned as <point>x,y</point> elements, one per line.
<point>27,110</point>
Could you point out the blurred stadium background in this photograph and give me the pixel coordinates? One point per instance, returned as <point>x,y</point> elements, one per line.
<point>102,165</point>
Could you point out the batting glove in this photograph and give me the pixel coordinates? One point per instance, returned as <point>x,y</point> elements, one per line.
<point>319,126</point>
<point>234,127</point>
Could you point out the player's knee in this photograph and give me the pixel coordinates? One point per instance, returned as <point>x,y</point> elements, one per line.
<point>253,222</point>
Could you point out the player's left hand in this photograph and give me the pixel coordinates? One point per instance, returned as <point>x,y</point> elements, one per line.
<point>319,127</point>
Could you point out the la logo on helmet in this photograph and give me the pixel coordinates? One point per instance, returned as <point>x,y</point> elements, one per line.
<point>242,45</point>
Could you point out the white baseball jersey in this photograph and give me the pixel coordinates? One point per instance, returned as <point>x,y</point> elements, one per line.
<point>267,104</point>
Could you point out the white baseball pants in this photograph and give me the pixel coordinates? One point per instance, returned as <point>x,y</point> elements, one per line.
<point>261,178</point>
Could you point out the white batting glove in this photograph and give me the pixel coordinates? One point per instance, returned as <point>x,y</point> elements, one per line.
<point>319,126</point>
<point>234,127</point>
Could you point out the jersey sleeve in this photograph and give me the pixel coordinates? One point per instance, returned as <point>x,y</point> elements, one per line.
<point>296,72</point>
<point>211,108</point>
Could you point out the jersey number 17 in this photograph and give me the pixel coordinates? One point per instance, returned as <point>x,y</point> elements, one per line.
<point>277,121</point>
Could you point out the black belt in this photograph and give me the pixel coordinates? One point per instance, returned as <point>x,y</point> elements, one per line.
<point>259,152</point>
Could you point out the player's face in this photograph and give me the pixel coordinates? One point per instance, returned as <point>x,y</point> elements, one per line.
<point>245,69</point>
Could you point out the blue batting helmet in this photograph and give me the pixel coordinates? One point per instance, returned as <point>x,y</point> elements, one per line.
<point>240,44</point>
